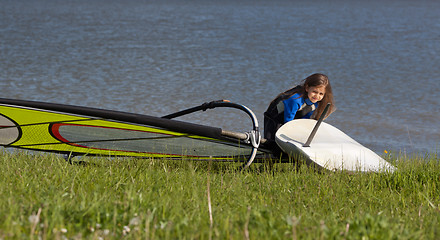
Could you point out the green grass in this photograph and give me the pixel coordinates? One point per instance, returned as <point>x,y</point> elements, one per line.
<point>43,197</point>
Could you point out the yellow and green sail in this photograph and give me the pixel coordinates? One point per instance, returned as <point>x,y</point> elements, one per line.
<point>87,131</point>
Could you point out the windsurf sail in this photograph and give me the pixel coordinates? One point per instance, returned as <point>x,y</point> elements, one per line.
<point>77,130</point>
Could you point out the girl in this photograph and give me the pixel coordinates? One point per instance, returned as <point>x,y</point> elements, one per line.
<point>307,100</point>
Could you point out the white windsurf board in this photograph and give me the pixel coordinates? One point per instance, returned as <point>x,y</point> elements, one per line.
<point>330,148</point>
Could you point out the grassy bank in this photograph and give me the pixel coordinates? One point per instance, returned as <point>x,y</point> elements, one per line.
<point>43,197</point>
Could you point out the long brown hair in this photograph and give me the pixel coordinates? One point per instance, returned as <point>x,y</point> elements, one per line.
<point>315,80</point>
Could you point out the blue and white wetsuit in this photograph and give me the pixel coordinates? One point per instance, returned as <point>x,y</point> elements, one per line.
<point>293,106</point>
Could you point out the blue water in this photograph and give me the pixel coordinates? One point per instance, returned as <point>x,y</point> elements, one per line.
<point>382,58</point>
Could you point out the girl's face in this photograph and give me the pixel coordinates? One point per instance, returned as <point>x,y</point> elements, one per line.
<point>315,94</point>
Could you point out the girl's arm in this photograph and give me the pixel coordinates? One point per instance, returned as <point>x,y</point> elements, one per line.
<point>291,106</point>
